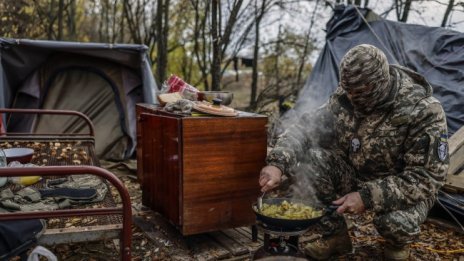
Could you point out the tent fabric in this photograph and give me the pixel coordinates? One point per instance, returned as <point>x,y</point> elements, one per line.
<point>103,81</point>
<point>434,52</point>
<point>96,100</point>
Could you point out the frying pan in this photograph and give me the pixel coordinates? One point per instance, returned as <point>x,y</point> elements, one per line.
<point>290,224</point>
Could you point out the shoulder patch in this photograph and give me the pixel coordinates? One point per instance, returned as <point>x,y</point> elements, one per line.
<point>442,148</point>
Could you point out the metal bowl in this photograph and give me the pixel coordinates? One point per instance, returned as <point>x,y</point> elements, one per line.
<point>23,155</point>
<point>226,97</point>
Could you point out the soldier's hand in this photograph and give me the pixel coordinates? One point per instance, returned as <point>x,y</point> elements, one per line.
<point>269,178</point>
<point>350,203</point>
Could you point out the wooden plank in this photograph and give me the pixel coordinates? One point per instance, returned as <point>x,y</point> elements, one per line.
<point>456,161</point>
<point>456,141</point>
<point>247,232</point>
<point>244,240</point>
<point>236,248</point>
<point>204,248</point>
<point>456,152</point>
<point>455,183</point>
<point>54,236</point>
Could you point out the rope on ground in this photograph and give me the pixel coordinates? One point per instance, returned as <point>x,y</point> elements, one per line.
<point>449,252</point>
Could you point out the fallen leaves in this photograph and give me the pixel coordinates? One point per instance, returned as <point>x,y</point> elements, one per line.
<point>434,242</point>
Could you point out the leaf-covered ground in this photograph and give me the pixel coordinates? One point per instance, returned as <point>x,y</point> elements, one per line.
<point>436,242</point>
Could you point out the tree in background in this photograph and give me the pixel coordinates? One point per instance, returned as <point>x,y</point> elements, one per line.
<point>260,10</point>
<point>225,16</point>
<point>195,39</point>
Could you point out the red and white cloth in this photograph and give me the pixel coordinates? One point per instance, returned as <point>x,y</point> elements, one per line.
<point>176,84</point>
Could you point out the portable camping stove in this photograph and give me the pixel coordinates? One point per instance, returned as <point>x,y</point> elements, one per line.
<point>279,243</point>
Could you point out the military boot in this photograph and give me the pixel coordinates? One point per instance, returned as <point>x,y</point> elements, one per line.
<point>336,244</point>
<point>396,252</point>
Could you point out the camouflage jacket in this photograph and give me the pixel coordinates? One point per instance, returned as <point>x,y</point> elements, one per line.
<point>399,152</point>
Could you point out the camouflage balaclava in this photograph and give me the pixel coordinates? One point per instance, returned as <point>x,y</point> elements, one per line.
<point>365,76</point>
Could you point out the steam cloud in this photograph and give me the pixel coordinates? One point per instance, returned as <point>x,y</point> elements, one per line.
<point>302,186</point>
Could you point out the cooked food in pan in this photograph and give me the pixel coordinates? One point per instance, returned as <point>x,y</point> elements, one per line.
<point>288,210</point>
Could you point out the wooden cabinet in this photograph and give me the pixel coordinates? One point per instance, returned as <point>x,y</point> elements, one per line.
<point>201,173</point>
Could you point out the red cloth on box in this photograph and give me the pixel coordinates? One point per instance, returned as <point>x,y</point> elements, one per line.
<point>176,84</point>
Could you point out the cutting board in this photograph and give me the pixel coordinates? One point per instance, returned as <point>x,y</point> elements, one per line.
<point>220,110</point>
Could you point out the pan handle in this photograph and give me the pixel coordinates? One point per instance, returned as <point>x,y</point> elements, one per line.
<point>332,208</point>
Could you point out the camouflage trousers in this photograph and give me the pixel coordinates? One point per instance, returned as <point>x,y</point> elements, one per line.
<point>330,177</point>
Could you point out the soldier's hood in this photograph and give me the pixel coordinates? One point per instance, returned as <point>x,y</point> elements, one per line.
<point>415,77</point>
<point>400,72</point>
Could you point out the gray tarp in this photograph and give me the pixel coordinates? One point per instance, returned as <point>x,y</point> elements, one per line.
<point>434,52</point>
<point>31,70</point>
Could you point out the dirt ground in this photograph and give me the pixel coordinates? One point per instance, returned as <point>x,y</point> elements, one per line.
<point>436,242</point>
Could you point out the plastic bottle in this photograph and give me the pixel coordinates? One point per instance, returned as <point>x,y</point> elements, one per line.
<point>2,165</point>
<point>25,181</point>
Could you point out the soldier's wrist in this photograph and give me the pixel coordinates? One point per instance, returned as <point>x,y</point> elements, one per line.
<point>366,197</point>
<point>280,167</point>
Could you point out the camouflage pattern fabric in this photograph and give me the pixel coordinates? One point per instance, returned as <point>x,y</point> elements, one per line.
<point>365,75</point>
<point>85,181</point>
<point>333,177</point>
<point>30,199</point>
<point>395,157</point>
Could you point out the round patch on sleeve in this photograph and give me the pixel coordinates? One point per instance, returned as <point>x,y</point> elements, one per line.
<point>443,147</point>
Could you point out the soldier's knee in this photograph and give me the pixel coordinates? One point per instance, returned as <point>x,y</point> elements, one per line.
<point>397,228</point>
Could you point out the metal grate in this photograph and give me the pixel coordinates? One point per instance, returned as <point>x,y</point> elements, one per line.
<point>65,152</point>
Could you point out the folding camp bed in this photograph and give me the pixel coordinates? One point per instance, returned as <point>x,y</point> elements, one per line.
<point>102,220</point>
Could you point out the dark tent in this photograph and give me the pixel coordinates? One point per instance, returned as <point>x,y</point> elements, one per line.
<point>434,52</point>
<point>103,81</point>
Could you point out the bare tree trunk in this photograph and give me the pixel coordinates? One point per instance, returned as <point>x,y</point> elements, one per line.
<point>402,9</point>
<point>72,20</point>
<point>407,8</point>
<point>216,65</point>
<point>199,40</point>
<point>276,65</point>
<point>162,30</point>
<point>114,12</point>
<point>205,57</point>
<point>449,8</point>
<point>254,75</point>
<point>306,46</point>
<point>60,19</point>
<point>132,21</point>
<point>122,26</point>
<point>398,6</point>
<point>107,21</point>
<point>100,26</point>
<point>51,20</point>
<point>220,42</point>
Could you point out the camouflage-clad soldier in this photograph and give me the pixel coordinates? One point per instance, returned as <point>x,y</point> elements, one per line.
<point>379,143</point>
